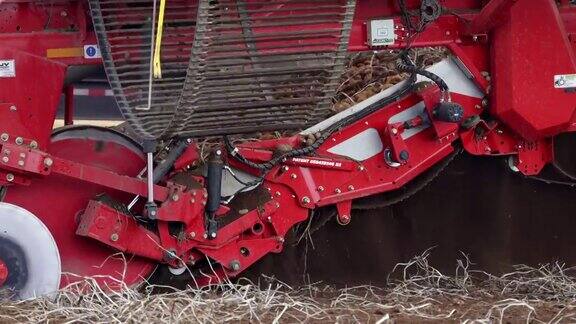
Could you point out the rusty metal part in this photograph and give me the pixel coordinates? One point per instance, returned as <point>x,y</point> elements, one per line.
<point>229,66</point>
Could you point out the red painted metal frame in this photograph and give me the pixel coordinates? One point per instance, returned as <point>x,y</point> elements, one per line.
<point>493,41</point>
<point>3,273</point>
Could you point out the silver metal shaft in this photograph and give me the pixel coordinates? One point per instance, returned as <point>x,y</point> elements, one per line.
<point>150,176</point>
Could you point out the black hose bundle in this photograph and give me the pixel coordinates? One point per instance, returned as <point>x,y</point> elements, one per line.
<point>408,66</point>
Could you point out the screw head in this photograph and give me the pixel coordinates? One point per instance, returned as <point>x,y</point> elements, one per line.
<point>320,189</point>
<point>350,187</point>
<point>192,235</point>
<point>48,162</point>
<point>293,176</point>
<point>13,108</point>
<point>306,200</point>
<point>10,177</point>
<point>278,194</point>
<point>21,163</point>
<point>4,137</point>
<point>175,197</point>
<point>19,141</point>
<point>114,237</point>
<point>361,168</point>
<point>235,265</point>
<point>285,168</point>
<point>338,190</point>
<point>394,131</point>
<point>5,159</point>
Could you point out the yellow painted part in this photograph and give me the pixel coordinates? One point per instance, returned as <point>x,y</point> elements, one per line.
<point>65,52</point>
<point>160,30</point>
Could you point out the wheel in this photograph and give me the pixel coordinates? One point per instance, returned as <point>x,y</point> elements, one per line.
<point>29,258</point>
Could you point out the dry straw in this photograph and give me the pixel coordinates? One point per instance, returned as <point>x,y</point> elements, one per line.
<point>421,292</point>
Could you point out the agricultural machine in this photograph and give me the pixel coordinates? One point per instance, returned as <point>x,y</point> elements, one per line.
<point>83,201</point>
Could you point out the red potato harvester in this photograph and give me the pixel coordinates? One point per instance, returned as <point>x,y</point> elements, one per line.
<point>76,198</point>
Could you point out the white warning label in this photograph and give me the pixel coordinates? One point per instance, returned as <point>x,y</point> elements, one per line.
<point>7,68</point>
<point>381,32</point>
<point>565,81</point>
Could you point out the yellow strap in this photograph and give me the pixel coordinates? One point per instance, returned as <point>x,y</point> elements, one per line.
<point>160,29</point>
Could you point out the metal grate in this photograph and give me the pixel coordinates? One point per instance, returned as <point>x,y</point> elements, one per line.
<point>229,66</point>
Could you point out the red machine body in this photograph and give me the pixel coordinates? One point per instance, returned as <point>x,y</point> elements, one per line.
<point>513,51</point>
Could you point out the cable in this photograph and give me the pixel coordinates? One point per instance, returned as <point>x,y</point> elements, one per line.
<point>265,166</point>
<point>404,63</point>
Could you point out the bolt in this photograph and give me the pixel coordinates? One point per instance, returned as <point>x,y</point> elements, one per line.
<point>488,149</point>
<point>306,200</point>
<point>277,205</point>
<point>338,191</point>
<point>404,155</point>
<point>394,131</point>
<point>447,33</point>
<point>10,177</point>
<point>269,219</point>
<point>193,193</point>
<point>361,168</point>
<point>218,152</point>
<point>278,194</point>
<point>475,38</point>
<point>114,237</point>
<point>280,239</point>
<point>19,141</point>
<point>175,197</point>
<point>344,219</point>
<point>350,187</point>
<point>213,235</point>
<point>192,235</point>
<point>22,155</point>
<point>13,108</point>
<point>320,189</point>
<point>189,140</point>
<point>63,13</point>
<point>4,137</point>
<point>293,176</point>
<point>193,200</point>
<point>205,195</point>
<point>21,163</point>
<point>48,162</point>
<point>285,168</point>
<point>205,235</point>
<point>235,265</point>
<point>152,213</point>
<point>5,159</point>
